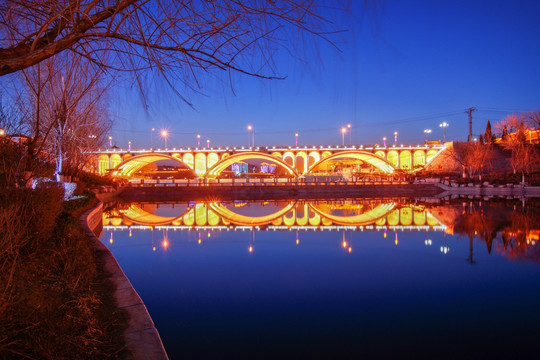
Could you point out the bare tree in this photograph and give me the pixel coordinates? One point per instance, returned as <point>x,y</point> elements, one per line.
<point>522,153</point>
<point>71,108</point>
<point>175,37</point>
<point>533,118</point>
<point>63,104</point>
<point>477,156</point>
<point>473,157</point>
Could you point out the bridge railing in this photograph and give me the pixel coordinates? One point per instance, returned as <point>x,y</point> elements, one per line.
<point>265,182</point>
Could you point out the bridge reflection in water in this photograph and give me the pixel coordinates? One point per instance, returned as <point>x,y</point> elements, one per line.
<point>273,215</point>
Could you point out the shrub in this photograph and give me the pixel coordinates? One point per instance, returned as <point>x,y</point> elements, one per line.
<point>28,217</point>
<point>56,300</point>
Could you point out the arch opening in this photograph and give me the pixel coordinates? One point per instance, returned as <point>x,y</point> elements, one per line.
<point>367,216</point>
<point>251,164</point>
<point>135,164</point>
<point>352,163</point>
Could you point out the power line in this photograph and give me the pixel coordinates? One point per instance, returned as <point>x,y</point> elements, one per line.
<point>500,110</point>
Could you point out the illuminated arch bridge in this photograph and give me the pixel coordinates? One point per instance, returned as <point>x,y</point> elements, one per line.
<point>295,161</point>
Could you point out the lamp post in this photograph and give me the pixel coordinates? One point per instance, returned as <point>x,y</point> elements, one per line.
<point>252,131</point>
<point>129,145</point>
<point>110,141</point>
<point>164,133</point>
<point>395,138</point>
<point>444,125</point>
<point>350,133</point>
<point>427,132</point>
<point>151,139</point>
<point>384,141</point>
<point>343,131</point>
<point>198,140</point>
<point>208,144</point>
<point>296,139</point>
<point>2,132</point>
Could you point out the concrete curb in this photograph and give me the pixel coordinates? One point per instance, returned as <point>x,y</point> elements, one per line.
<point>142,337</point>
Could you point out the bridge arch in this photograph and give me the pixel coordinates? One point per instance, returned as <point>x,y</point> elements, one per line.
<point>314,156</point>
<point>419,159</point>
<point>405,160</point>
<point>301,162</point>
<point>213,172</point>
<point>244,220</point>
<point>189,160</point>
<point>115,160</point>
<point>393,158</point>
<point>136,214</point>
<point>366,218</point>
<point>133,164</point>
<point>289,158</point>
<point>368,157</point>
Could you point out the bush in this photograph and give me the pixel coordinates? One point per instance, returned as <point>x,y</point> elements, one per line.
<point>28,217</point>
<point>56,300</point>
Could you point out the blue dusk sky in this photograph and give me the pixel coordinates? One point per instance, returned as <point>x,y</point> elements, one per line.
<point>417,64</point>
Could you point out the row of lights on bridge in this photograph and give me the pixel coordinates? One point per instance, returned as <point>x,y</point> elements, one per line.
<point>251,136</point>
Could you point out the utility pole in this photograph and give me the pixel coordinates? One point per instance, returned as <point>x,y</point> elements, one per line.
<point>470,111</point>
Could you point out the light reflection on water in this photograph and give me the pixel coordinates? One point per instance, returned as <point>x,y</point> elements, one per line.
<point>336,279</point>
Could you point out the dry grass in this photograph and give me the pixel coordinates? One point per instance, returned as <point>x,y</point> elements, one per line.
<point>55,299</point>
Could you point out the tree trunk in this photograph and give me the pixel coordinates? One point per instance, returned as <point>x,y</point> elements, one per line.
<point>58,157</point>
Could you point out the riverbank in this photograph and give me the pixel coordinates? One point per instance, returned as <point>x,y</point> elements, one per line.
<point>486,189</point>
<point>141,336</point>
<point>56,300</point>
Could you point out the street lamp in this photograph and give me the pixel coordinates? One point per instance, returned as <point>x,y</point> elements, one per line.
<point>444,125</point>
<point>151,139</point>
<point>198,140</point>
<point>250,129</point>
<point>164,133</point>
<point>384,141</point>
<point>343,131</point>
<point>208,144</point>
<point>350,133</point>
<point>395,138</point>
<point>296,139</point>
<point>129,145</point>
<point>110,141</point>
<point>427,132</point>
<point>2,132</point>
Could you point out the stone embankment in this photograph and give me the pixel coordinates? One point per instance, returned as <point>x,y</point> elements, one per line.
<point>142,337</point>
<point>485,189</point>
<point>255,191</point>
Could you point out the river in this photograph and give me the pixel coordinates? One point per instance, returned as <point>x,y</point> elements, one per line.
<point>350,278</point>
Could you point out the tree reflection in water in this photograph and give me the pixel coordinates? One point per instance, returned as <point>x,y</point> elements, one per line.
<point>512,231</point>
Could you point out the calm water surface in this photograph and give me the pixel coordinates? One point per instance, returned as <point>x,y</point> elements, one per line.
<point>343,279</point>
